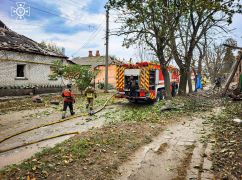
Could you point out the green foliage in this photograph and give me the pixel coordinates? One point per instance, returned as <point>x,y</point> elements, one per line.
<point>80,75</point>
<point>57,70</point>
<point>158,23</point>
<point>51,46</point>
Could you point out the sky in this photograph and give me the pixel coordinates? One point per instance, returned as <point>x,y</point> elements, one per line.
<point>76,25</point>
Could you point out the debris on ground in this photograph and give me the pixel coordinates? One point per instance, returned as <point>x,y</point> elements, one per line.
<point>237,120</point>
<point>55,102</point>
<point>227,159</point>
<point>98,152</point>
<point>37,99</point>
<point>235,93</point>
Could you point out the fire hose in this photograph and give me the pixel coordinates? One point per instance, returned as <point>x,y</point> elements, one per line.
<point>37,127</point>
<point>34,142</point>
<point>49,124</point>
<point>92,113</point>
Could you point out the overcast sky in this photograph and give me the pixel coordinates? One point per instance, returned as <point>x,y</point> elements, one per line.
<point>76,25</point>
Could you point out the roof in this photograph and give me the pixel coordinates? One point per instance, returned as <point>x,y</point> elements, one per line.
<point>12,41</point>
<point>95,61</point>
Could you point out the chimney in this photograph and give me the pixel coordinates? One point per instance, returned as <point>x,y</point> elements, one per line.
<point>97,53</point>
<point>90,54</point>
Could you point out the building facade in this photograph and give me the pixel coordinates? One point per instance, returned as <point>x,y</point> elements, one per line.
<point>97,62</point>
<point>25,66</point>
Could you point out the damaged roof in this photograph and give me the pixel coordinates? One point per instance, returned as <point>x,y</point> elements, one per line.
<point>12,41</point>
<point>95,61</point>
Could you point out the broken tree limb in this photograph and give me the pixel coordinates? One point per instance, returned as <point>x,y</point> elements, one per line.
<point>233,47</point>
<point>170,107</point>
<point>231,76</point>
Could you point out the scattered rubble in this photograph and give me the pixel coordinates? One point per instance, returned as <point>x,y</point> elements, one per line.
<point>37,99</point>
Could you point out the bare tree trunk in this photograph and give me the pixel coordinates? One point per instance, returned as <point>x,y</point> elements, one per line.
<point>167,82</point>
<point>183,82</point>
<point>189,79</point>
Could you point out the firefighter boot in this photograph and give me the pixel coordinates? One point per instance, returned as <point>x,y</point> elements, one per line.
<point>63,114</point>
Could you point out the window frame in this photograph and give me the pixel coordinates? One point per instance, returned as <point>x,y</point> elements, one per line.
<point>24,72</point>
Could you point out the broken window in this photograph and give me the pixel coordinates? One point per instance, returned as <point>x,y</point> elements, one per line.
<point>20,70</point>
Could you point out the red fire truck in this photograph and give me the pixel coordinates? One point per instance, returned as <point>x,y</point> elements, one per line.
<point>148,78</point>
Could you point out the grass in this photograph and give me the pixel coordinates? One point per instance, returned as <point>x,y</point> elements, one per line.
<point>151,112</point>
<point>96,154</point>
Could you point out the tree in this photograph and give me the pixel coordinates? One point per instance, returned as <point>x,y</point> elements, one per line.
<point>57,71</point>
<point>149,22</point>
<point>229,58</point>
<point>51,46</point>
<point>200,17</point>
<point>80,75</point>
<point>214,60</point>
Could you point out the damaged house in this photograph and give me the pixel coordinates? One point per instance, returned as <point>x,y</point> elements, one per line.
<point>25,65</point>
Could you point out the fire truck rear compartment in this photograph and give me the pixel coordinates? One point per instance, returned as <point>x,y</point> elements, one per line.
<point>135,73</point>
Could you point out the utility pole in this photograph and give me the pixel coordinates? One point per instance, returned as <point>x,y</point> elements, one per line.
<point>107,56</point>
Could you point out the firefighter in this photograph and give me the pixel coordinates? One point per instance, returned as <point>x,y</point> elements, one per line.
<point>90,93</point>
<point>204,81</point>
<point>217,83</point>
<point>174,88</point>
<point>132,86</point>
<point>68,100</point>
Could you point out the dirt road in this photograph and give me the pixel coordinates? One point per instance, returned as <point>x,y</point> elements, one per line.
<point>176,153</point>
<point>18,121</point>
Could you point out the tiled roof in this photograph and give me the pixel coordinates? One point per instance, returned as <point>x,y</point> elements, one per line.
<point>94,61</point>
<point>12,41</point>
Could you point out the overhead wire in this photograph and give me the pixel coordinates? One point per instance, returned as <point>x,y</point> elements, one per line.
<point>92,36</point>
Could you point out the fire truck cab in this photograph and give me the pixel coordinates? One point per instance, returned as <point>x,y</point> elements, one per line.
<point>143,81</point>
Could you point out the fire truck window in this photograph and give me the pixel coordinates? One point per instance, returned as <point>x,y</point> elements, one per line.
<point>152,80</point>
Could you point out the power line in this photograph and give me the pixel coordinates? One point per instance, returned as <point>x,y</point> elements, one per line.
<point>92,36</point>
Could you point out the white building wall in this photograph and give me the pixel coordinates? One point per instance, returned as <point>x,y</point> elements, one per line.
<point>36,74</point>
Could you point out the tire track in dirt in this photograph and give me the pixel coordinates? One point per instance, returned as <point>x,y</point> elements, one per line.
<point>173,154</point>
